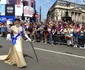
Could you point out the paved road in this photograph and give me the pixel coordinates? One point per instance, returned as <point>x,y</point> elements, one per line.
<point>59,57</point>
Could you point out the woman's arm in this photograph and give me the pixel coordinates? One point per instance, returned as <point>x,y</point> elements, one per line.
<point>28,39</point>
<point>25,34</point>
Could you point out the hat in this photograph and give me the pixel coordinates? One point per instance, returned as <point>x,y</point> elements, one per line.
<point>17,19</point>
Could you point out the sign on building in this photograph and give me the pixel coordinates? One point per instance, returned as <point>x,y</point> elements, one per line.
<point>10,10</point>
<point>28,11</point>
<point>18,10</point>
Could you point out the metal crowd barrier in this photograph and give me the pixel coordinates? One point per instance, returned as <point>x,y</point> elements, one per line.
<point>59,39</point>
<point>81,40</point>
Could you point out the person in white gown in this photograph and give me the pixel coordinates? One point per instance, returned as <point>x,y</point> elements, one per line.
<point>15,55</point>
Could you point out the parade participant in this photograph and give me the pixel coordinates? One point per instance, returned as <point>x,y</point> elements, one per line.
<point>67,35</point>
<point>15,55</point>
<point>3,30</point>
<point>71,35</point>
<point>50,33</point>
<point>46,33</point>
<point>8,25</point>
<point>75,35</point>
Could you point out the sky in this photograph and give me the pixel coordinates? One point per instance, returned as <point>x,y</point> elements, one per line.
<point>2,10</point>
<point>46,4</point>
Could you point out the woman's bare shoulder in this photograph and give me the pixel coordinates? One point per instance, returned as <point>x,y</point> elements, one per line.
<point>13,27</point>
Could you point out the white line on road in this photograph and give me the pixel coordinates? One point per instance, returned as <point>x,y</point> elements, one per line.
<point>56,52</point>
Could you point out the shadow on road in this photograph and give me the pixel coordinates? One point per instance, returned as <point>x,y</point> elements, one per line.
<point>1,46</point>
<point>25,55</point>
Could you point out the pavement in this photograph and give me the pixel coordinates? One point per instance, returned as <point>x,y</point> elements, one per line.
<point>51,57</point>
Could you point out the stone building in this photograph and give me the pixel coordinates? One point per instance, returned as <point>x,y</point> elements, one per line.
<point>59,8</point>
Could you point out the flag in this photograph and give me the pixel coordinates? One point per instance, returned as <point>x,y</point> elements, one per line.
<point>25,2</point>
<point>32,3</point>
<point>18,2</point>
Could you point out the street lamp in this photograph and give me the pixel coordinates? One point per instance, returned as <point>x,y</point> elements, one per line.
<point>40,14</point>
<point>67,17</point>
<point>68,4</point>
<point>23,18</point>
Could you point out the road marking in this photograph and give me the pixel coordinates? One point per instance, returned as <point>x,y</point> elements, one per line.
<point>61,53</point>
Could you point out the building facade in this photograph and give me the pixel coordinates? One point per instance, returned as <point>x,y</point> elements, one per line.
<point>59,8</point>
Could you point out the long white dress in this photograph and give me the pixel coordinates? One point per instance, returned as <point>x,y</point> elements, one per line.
<point>15,55</point>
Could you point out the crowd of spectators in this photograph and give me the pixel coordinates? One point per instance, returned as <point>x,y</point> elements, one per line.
<point>50,32</point>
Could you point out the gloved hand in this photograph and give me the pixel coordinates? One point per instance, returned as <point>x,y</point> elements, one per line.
<point>8,37</point>
<point>28,40</point>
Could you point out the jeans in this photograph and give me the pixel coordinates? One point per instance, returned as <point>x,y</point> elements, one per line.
<point>50,38</point>
<point>76,40</point>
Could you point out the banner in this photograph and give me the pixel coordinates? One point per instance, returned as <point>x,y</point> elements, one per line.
<point>25,2</point>
<point>28,11</point>
<point>18,10</point>
<point>4,18</point>
<point>10,10</point>
<point>3,1</point>
<point>32,3</point>
<point>2,9</point>
<point>14,1</point>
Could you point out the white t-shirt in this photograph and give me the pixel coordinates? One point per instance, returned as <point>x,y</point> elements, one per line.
<point>8,22</point>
